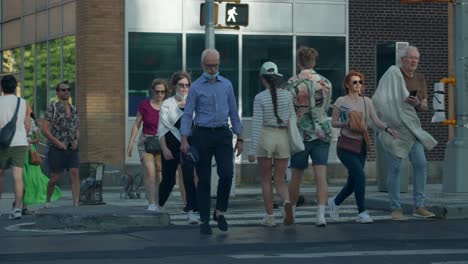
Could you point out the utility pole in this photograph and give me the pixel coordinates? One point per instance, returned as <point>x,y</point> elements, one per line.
<point>455,177</point>
<point>209,25</point>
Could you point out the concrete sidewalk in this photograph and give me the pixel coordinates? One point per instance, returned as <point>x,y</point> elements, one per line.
<point>119,213</point>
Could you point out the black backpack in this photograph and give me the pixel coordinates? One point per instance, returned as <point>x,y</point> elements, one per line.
<point>8,131</point>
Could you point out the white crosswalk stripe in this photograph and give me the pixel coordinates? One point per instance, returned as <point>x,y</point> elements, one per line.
<point>304,215</point>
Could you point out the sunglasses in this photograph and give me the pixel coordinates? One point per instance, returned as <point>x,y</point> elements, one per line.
<point>182,85</point>
<point>356,82</point>
<point>211,65</point>
<point>159,92</point>
<point>64,90</point>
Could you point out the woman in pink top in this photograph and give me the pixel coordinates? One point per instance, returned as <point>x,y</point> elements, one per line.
<point>148,114</point>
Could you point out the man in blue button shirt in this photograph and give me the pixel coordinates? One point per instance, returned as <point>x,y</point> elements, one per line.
<point>211,98</point>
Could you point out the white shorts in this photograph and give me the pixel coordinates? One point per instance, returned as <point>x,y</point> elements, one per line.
<point>274,143</point>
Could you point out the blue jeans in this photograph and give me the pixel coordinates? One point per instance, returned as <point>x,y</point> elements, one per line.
<point>418,159</point>
<point>356,181</point>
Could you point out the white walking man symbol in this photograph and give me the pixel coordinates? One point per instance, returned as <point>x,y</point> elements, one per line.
<point>232,15</point>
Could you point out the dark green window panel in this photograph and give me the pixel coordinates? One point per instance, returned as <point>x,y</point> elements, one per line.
<point>228,47</point>
<point>150,56</point>
<point>256,51</point>
<point>41,79</point>
<point>331,62</point>
<point>55,69</point>
<point>69,62</point>
<point>28,74</point>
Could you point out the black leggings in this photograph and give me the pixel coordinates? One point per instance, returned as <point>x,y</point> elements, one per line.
<point>169,169</point>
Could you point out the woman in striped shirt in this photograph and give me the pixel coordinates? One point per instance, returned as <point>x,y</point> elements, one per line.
<point>272,109</point>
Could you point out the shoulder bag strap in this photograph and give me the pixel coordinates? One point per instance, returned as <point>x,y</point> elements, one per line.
<point>15,116</point>
<point>365,134</point>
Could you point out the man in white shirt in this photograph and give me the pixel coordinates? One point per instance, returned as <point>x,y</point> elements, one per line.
<point>14,154</point>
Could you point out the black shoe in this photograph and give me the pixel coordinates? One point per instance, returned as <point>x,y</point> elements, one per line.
<point>222,224</point>
<point>300,200</point>
<point>205,229</point>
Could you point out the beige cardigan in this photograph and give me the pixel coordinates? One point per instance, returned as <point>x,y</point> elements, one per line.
<point>389,102</point>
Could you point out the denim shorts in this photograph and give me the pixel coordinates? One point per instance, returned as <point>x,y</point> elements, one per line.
<point>316,149</point>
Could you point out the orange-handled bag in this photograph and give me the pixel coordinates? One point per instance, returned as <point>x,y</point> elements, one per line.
<point>34,157</point>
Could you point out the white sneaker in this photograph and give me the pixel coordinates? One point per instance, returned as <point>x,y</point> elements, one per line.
<point>334,209</point>
<point>364,218</point>
<point>15,214</point>
<point>321,222</point>
<point>269,220</point>
<point>151,207</point>
<point>192,218</point>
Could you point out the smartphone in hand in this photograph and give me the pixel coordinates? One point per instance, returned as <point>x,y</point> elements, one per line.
<point>413,93</point>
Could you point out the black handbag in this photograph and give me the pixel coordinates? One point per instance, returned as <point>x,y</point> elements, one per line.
<point>152,145</point>
<point>8,131</point>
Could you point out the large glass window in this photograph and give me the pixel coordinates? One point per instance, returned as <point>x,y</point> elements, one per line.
<point>331,62</point>
<point>41,79</point>
<point>256,51</point>
<point>228,47</point>
<point>11,60</point>
<point>69,62</point>
<point>28,74</point>
<point>150,56</point>
<point>55,71</point>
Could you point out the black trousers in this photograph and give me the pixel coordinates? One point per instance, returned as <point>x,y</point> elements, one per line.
<point>169,169</point>
<point>215,142</point>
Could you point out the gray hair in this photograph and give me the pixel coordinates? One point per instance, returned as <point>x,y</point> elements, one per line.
<point>208,51</point>
<point>405,51</point>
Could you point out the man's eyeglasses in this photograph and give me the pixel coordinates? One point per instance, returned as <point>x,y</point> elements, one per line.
<point>413,58</point>
<point>182,85</point>
<point>64,90</point>
<point>356,82</point>
<point>211,65</point>
<point>159,92</point>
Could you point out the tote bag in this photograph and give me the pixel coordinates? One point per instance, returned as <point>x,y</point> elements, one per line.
<point>295,139</point>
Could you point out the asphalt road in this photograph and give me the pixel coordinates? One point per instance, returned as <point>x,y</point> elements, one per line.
<point>428,241</point>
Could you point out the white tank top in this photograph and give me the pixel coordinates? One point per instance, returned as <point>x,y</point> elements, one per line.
<point>7,110</point>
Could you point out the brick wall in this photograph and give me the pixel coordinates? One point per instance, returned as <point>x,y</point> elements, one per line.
<point>372,22</point>
<point>100,40</point>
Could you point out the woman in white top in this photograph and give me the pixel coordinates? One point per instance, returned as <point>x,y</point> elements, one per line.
<point>170,138</point>
<point>272,110</point>
<point>354,101</point>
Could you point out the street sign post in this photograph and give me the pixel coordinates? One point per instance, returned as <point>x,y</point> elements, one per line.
<point>237,14</point>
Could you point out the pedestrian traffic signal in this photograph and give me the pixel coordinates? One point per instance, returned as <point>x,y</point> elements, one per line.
<point>202,14</point>
<point>237,14</point>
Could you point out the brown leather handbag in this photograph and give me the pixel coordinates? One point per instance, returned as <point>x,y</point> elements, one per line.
<point>34,157</point>
<point>349,144</point>
<point>357,124</point>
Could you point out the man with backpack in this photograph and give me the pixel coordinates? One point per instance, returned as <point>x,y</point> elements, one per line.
<point>14,127</point>
<point>312,96</point>
<point>61,128</point>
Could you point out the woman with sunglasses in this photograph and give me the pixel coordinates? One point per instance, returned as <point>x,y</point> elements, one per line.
<point>170,138</point>
<point>148,115</point>
<point>354,102</point>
